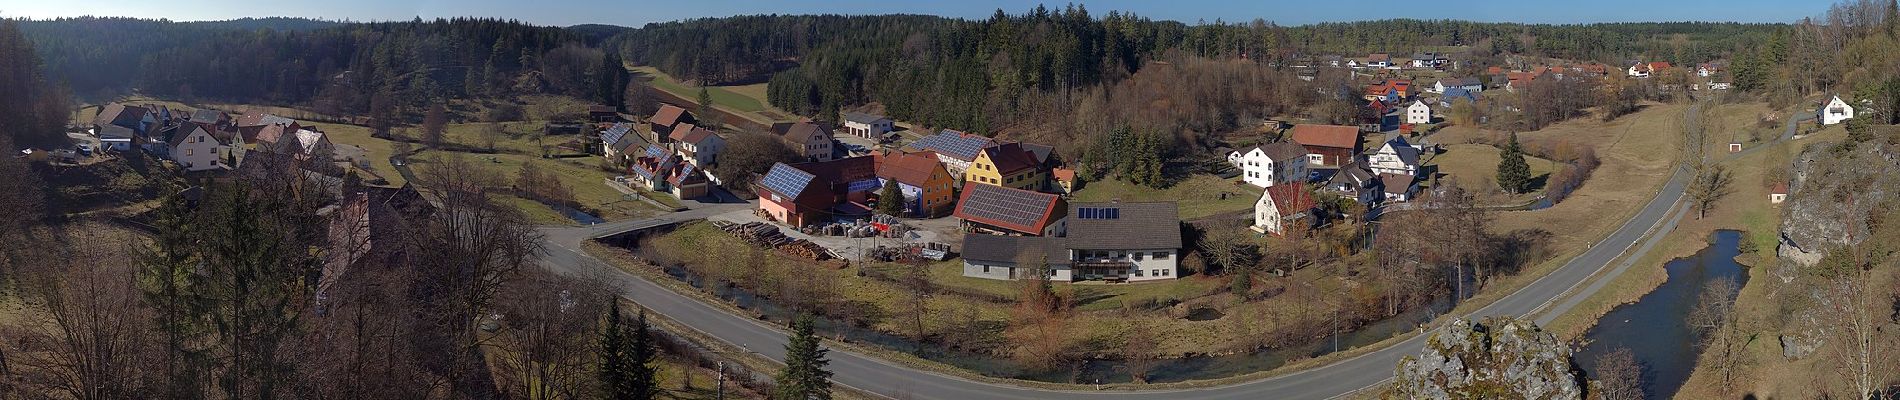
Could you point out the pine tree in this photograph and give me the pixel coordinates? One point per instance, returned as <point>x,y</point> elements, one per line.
<point>613,370</point>
<point>1514,175</point>
<point>644,381</point>
<point>166,277</point>
<point>890,201</point>
<point>804,376</point>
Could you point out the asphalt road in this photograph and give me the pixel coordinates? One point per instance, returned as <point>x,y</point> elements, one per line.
<point>1545,296</point>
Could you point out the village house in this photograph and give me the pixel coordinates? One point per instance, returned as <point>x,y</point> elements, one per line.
<point>1398,187</point>
<point>1454,95</point>
<point>1354,180</point>
<point>925,184</point>
<point>1272,164</point>
<point>193,147</point>
<point>1378,60</point>
<point>1327,145</point>
<point>1124,241</point>
<point>1709,69</point>
<point>1645,70</point>
<point>615,142</point>
<point>1418,113</point>
<point>250,126</point>
<point>1280,207</point>
<point>1007,165</point>
<point>1835,111</point>
<point>662,171</point>
<point>1097,247</point>
<point>371,223</point>
<point>700,146</point>
<point>660,125</point>
<point>1396,156</point>
<point>1447,84</point>
<point>810,139</point>
<point>997,210</point>
<point>1064,180</point>
<point>1778,193</point>
<point>867,126</point>
<point>956,150</point>
<point>123,120</point>
<point>813,192</point>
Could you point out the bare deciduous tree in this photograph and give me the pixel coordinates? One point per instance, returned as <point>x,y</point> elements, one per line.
<point>1619,376</point>
<point>87,334</point>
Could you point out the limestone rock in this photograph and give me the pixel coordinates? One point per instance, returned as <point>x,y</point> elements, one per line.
<point>1832,193</point>
<point>1499,355</point>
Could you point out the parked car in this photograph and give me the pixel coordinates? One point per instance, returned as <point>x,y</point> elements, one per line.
<point>85,149</point>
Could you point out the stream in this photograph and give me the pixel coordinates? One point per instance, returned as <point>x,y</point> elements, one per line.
<point>1654,328</point>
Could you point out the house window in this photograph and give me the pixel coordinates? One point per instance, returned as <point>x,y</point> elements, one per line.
<point>1138,273</point>
<point>1137,256</point>
<point>189,152</point>
<point>1161,255</point>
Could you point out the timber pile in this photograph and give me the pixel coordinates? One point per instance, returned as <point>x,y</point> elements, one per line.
<point>768,235</point>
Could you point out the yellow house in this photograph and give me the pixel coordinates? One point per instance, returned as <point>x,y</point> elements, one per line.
<point>1007,165</point>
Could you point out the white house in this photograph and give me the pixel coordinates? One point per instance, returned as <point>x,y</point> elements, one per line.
<point>1418,113</point>
<point>193,147</point>
<point>1640,70</point>
<point>1835,111</point>
<point>1395,157</point>
<point>1271,164</point>
<point>699,146</point>
<point>866,125</point>
<point>1278,207</point>
<point>1100,248</point>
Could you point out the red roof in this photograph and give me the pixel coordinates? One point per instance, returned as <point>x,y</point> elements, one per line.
<point>1009,208</point>
<point>1779,188</point>
<point>1290,198</point>
<point>1334,136</point>
<point>913,169</point>
<point>669,115</point>
<point>1063,174</point>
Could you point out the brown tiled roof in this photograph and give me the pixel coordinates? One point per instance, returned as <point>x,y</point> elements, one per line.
<point>801,132</point>
<point>1008,208</point>
<point>912,169</point>
<point>1335,136</point>
<point>690,133</point>
<point>120,115</point>
<point>1396,183</point>
<point>1779,188</point>
<point>1011,158</point>
<point>1282,151</point>
<point>670,114</point>
<point>1063,174</point>
<point>1290,198</point>
<point>270,134</point>
<point>680,131</point>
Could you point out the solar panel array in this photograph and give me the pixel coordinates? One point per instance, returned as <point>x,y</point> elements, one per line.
<point>655,152</point>
<point>685,171</point>
<point>1098,213</point>
<point>864,185</point>
<point>613,135</point>
<point>786,180</point>
<point>1013,206</point>
<point>955,144</point>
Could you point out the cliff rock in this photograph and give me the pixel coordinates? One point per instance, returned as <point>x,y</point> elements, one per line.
<point>1499,356</point>
<point>1831,194</point>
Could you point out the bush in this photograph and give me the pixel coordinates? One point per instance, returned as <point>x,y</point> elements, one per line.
<point>505,112</point>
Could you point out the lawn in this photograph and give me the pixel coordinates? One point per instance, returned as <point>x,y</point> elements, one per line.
<point>744,100</point>
<point>1475,167</point>
<point>974,314</point>
<point>579,174</point>
<point>1198,196</point>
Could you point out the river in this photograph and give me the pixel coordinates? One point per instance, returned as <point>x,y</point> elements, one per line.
<point>1654,327</point>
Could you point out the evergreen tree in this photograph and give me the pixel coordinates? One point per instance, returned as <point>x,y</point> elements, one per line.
<point>1514,175</point>
<point>890,201</point>
<point>613,372</point>
<point>646,384</point>
<point>166,277</point>
<point>804,376</point>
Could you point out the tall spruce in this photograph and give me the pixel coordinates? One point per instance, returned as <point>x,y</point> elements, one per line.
<point>613,370</point>
<point>1514,174</point>
<point>170,285</point>
<point>646,384</point>
<point>254,286</point>
<point>804,376</point>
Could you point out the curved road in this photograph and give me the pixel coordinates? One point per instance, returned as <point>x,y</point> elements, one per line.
<point>1544,299</point>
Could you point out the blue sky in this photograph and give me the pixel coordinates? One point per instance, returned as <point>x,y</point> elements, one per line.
<point>636,13</point>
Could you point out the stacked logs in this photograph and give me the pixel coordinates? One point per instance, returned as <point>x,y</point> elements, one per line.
<point>768,235</point>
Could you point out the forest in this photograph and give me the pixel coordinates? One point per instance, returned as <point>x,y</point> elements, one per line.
<point>395,69</point>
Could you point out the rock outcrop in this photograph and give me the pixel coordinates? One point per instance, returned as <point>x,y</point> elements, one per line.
<point>1499,357</point>
<point>1831,194</point>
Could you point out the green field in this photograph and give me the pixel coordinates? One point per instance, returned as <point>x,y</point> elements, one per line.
<point>744,100</point>
<point>1198,196</point>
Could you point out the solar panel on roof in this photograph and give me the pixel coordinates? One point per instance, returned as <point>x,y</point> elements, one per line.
<point>864,185</point>
<point>786,180</point>
<point>655,152</point>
